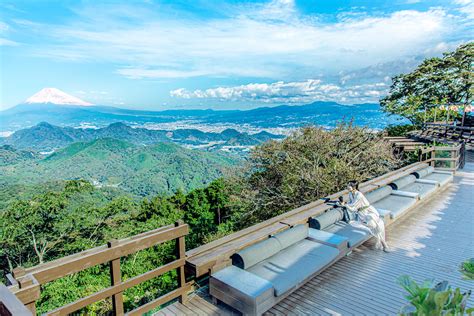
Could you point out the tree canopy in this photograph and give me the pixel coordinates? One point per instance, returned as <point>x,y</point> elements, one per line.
<point>440,80</point>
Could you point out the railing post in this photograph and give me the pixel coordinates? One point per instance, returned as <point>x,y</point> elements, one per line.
<point>180,254</point>
<point>116,278</point>
<point>433,155</point>
<point>23,281</point>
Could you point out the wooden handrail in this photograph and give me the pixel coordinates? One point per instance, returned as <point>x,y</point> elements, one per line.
<point>27,289</point>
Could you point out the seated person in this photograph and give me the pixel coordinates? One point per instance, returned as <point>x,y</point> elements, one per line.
<point>365,215</point>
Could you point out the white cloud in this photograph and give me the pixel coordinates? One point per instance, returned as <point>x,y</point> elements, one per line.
<point>272,40</point>
<point>4,29</point>
<point>466,7</point>
<point>290,92</point>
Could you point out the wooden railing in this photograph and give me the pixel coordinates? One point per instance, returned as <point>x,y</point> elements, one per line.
<point>446,132</point>
<point>450,158</point>
<point>26,283</point>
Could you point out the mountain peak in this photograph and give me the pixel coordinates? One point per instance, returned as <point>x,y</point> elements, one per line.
<point>55,96</point>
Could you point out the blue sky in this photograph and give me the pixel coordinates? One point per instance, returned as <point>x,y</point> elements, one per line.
<point>220,54</point>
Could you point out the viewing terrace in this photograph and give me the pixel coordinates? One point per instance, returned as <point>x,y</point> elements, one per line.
<point>430,235</point>
<point>428,243</point>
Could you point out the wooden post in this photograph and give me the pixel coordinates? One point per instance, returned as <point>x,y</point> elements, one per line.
<point>24,281</point>
<point>180,253</point>
<point>433,157</point>
<point>116,278</point>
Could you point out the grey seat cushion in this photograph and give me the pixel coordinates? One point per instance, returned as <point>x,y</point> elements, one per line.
<point>403,181</point>
<point>355,235</point>
<point>378,194</point>
<point>442,178</point>
<point>423,189</point>
<point>252,255</point>
<point>292,235</point>
<point>328,238</point>
<point>291,266</point>
<point>326,219</point>
<point>248,283</point>
<point>396,204</point>
<point>423,172</point>
<point>385,214</point>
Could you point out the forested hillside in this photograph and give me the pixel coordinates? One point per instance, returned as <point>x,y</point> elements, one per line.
<point>140,170</point>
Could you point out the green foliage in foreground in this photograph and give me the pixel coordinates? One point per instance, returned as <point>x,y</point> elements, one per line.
<point>428,299</point>
<point>436,81</point>
<point>74,216</point>
<point>467,269</point>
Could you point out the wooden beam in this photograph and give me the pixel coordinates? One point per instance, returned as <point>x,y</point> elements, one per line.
<point>89,251</point>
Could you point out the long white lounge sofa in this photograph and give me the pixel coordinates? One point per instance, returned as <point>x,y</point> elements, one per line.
<point>266,272</point>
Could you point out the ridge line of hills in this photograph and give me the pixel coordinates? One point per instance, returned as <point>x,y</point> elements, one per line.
<point>48,137</point>
<point>282,116</point>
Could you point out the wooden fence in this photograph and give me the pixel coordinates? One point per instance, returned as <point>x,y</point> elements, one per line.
<point>26,283</point>
<point>450,158</point>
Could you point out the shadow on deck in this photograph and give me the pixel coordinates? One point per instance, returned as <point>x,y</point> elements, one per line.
<point>430,242</point>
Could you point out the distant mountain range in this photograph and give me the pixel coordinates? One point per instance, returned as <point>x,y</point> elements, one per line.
<point>47,137</point>
<point>57,108</point>
<point>161,168</point>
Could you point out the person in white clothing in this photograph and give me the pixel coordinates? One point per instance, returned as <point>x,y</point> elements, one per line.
<point>366,215</point>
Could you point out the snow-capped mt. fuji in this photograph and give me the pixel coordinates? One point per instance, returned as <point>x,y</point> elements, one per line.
<point>55,96</point>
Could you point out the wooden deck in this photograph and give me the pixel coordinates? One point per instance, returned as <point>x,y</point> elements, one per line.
<point>429,243</point>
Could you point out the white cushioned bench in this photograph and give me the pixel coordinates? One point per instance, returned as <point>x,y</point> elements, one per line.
<point>277,265</point>
<point>265,272</point>
<point>430,173</point>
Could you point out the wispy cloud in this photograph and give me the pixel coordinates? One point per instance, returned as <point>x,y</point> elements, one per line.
<point>271,51</point>
<point>272,40</point>
<point>290,92</point>
<point>4,41</point>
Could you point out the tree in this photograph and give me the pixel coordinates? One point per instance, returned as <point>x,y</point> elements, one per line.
<point>445,80</point>
<point>310,164</point>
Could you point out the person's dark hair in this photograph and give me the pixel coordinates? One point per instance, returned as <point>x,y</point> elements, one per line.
<point>354,184</point>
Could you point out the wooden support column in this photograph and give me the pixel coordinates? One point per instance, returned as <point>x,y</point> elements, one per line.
<point>180,254</point>
<point>25,281</point>
<point>115,279</point>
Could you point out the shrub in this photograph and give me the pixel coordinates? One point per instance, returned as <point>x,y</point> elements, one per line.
<point>400,130</point>
<point>467,269</point>
<point>440,299</point>
<point>310,164</point>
